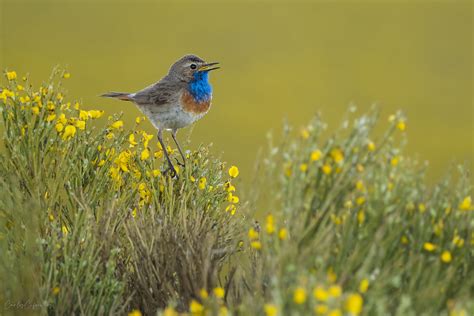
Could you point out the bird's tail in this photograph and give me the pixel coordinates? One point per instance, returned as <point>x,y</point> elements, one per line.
<point>118,95</point>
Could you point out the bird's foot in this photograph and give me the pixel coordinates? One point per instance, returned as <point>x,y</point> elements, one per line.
<point>181,164</point>
<point>172,172</point>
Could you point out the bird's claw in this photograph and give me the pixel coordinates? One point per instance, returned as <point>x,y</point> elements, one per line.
<point>182,164</point>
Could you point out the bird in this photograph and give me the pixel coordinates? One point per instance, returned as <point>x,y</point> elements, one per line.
<point>179,99</point>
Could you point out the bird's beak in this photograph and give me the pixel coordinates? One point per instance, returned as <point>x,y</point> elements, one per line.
<point>209,67</point>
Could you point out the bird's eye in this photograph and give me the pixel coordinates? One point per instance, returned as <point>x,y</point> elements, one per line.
<point>193,66</point>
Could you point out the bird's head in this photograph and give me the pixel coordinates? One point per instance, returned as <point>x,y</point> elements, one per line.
<point>191,67</point>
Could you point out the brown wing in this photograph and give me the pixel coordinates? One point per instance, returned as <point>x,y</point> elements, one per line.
<point>163,92</point>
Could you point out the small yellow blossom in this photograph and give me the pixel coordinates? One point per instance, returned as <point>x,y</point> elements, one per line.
<point>354,303</point>
<point>66,75</point>
<point>371,146</point>
<point>457,240</point>
<point>232,198</point>
<point>156,172</point>
<point>69,132</point>
<point>195,307</point>
<point>81,124</point>
<point>421,207</point>
<point>337,155</point>
<point>364,285</point>
<point>137,120</point>
<point>335,312</point>
<point>231,208</point>
<point>320,294</point>
<point>146,138</point>
<point>95,114</point>
<point>401,125</point>
<point>303,167</point>
<point>135,312</point>
<point>51,117</point>
<point>83,115</point>
<point>446,256</point>
<point>109,136</point>
<point>256,245</point>
<point>35,110</point>
<point>270,227</point>
<point>253,234</point>
<point>202,183</point>
<point>304,133</point>
<point>394,161</point>
<point>321,309</point>
<point>270,310</point>
<point>335,291</point>
<point>429,246</point>
<point>11,75</point>
<point>219,292</point>
<point>299,295</point>
<point>316,155</point>
<point>360,200</point>
<point>466,204</point>
<point>64,229</point>
<point>233,172</point>
<point>282,234</point>
<point>20,87</point>
<point>117,124</point>
<point>56,290</point>
<point>145,154</point>
<point>59,127</point>
<point>169,311</point>
<point>203,294</point>
<point>326,168</point>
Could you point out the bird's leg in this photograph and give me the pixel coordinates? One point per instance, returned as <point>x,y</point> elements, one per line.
<point>171,167</point>
<point>173,134</point>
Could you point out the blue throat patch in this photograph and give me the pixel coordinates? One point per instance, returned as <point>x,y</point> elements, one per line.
<point>199,87</point>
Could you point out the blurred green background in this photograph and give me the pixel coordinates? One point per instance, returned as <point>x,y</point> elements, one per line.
<point>280,60</point>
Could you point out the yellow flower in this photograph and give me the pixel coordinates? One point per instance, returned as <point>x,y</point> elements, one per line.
<point>156,172</point>
<point>303,167</point>
<point>299,295</point>
<point>335,291</point>
<point>145,154</point>
<point>283,234</point>
<point>231,208</point>
<point>135,312</point>
<point>202,183</point>
<point>131,140</point>
<point>117,124</point>
<point>360,200</point>
<point>20,87</point>
<point>146,138</point>
<point>56,290</point>
<point>101,163</point>
<point>62,118</point>
<point>169,311</point>
<point>137,120</point>
<point>321,309</point>
<point>364,285</point>
<point>67,75</point>
<point>320,294</point>
<point>429,246</point>
<point>232,198</point>
<point>371,146</point>
<point>304,133</point>
<point>394,161</point>
<point>203,293</point>
<point>421,207</point>
<point>269,224</point>
<point>35,110</point>
<point>466,204</point>
<point>401,125</point>
<point>337,155</point>
<point>11,75</point>
<point>326,168</point>
<point>233,172</point>
<point>59,127</point>
<point>354,303</point>
<point>64,230</point>
<point>270,310</point>
<point>69,132</point>
<point>316,155</point>
<point>81,124</point>
<point>83,115</point>
<point>109,136</point>
<point>51,117</point>
<point>122,161</point>
<point>335,312</point>
<point>95,114</point>
<point>446,256</point>
<point>256,245</point>
<point>219,292</point>
<point>253,234</point>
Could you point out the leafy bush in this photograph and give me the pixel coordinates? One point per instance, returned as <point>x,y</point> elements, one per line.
<point>89,224</point>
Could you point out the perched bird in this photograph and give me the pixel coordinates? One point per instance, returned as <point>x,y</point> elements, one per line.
<point>179,99</point>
